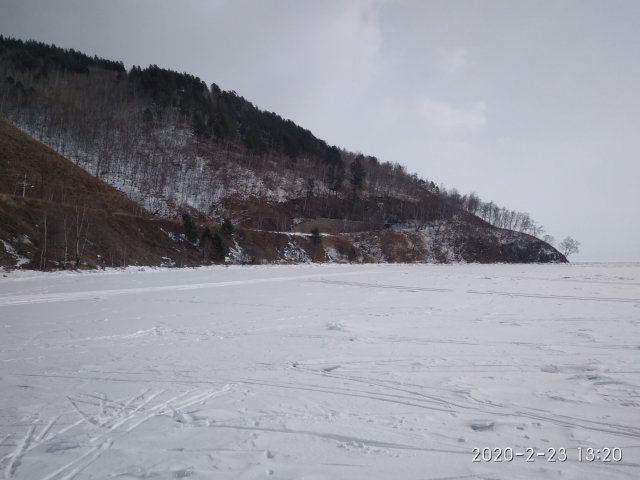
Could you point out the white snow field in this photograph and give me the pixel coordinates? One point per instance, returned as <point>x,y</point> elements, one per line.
<point>321,372</point>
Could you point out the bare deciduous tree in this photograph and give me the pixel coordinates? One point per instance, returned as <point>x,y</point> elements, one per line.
<point>81,223</point>
<point>569,246</point>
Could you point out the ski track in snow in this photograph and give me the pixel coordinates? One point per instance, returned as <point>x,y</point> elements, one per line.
<point>99,294</point>
<point>290,372</point>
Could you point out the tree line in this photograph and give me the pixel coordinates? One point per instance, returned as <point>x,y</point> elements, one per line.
<point>170,141</point>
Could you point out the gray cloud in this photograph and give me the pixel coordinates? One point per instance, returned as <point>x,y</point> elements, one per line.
<point>453,59</point>
<point>442,115</point>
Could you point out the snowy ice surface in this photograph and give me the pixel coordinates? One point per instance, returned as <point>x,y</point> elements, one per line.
<point>319,372</point>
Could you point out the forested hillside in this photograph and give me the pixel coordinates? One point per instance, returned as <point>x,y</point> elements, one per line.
<point>175,145</point>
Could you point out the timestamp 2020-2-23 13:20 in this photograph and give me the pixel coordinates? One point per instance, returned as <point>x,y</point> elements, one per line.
<point>551,454</point>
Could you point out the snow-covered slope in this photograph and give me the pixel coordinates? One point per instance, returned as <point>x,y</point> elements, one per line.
<point>309,372</point>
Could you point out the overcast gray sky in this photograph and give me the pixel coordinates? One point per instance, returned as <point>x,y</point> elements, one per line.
<point>532,104</point>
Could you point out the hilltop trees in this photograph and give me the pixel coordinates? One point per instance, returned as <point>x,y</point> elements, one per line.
<point>41,59</point>
<point>335,178</point>
<point>357,173</point>
<point>490,212</point>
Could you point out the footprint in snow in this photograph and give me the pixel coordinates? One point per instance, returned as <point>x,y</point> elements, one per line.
<point>183,472</point>
<point>482,425</point>
<point>189,418</point>
<point>330,369</point>
<point>550,369</point>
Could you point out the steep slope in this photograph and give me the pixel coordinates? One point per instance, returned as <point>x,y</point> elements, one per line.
<point>172,145</point>
<point>53,214</point>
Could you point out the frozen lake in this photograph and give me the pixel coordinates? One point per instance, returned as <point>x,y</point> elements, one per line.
<point>321,372</point>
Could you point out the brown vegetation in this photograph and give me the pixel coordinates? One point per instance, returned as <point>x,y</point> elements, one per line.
<point>63,217</point>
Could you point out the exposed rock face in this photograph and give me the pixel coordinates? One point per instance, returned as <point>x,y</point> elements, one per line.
<point>492,245</point>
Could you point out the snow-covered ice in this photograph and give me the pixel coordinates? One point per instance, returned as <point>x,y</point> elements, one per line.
<point>319,372</point>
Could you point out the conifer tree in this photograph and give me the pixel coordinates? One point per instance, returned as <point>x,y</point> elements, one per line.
<point>218,250</point>
<point>315,236</point>
<point>190,230</point>
<point>357,173</point>
<point>227,227</point>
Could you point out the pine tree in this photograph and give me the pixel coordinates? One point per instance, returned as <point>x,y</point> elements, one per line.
<point>218,250</point>
<point>206,241</point>
<point>227,227</point>
<point>315,236</point>
<point>190,230</point>
<point>336,177</point>
<point>357,173</point>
